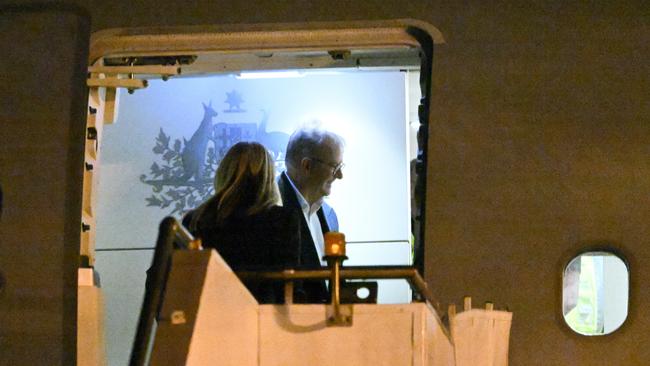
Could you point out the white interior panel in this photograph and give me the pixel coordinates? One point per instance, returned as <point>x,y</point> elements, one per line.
<point>384,254</point>
<point>367,108</point>
<point>122,278</point>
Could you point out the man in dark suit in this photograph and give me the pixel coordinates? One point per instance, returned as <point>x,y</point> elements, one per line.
<point>314,161</point>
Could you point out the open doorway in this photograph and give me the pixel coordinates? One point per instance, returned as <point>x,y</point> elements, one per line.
<point>369,94</point>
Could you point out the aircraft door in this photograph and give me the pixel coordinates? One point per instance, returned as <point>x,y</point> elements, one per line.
<point>42,132</point>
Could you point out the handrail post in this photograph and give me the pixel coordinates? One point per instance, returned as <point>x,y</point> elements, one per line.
<point>335,255</point>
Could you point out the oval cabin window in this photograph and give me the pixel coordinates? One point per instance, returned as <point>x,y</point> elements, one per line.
<point>595,293</point>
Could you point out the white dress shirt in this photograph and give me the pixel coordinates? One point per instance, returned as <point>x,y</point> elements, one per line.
<point>309,212</point>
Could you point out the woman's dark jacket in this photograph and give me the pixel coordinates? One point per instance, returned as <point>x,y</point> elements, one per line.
<point>268,240</point>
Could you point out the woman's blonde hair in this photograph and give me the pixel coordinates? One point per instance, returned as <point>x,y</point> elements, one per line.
<point>244,183</point>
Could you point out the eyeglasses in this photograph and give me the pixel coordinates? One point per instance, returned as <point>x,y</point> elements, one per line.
<point>336,168</point>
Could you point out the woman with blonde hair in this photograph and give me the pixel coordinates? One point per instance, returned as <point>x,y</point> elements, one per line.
<point>243,222</point>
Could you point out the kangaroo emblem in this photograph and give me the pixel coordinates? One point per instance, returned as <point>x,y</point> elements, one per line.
<point>276,142</point>
<point>193,155</point>
<point>180,179</point>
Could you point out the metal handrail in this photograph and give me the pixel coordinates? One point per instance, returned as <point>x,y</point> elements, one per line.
<point>171,235</point>
<point>357,272</point>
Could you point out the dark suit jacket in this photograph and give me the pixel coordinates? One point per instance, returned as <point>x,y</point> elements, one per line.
<point>268,240</point>
<point>313,291</point>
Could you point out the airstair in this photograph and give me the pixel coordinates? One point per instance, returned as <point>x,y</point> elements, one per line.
<point>196,311</point>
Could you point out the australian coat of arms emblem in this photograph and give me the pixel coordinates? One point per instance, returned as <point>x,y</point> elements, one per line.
<point>182,176</point>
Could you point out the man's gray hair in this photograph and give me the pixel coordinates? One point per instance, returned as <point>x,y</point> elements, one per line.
<point>309,142</point>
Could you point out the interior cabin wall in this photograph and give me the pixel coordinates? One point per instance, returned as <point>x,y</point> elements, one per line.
<point>367,109</point>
